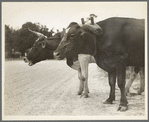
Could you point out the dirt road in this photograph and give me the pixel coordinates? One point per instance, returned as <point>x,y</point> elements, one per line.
<point>49,88</point>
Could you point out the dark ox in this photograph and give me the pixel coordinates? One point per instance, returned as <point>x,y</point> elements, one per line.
<point>42,48</point>
<point>119,43</point>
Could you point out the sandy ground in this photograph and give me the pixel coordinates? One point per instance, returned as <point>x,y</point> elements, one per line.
<point>49,88</point>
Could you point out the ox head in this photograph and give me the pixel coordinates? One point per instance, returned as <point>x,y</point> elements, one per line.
<point>42,49</point>
<point>74,40</point>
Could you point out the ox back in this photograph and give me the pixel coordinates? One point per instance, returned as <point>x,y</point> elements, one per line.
<point>122,38</point>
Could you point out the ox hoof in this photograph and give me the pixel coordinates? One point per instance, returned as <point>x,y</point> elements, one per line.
<point>108,101</point>
<point>122,108</point>
<point>79,93</point>
<point>84,95</point>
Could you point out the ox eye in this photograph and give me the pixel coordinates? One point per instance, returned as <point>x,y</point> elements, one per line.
<point>72,35</point>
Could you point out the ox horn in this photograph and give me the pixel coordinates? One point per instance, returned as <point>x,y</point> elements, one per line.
<point>92,21</point>
<point>37,33</point>
<point>82,20</point>
<point>52,29</point>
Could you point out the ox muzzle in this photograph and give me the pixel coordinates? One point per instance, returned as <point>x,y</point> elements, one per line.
<point>57,56</point>
<point>27,61</point>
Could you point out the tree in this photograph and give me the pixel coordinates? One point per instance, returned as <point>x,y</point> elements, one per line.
<point>26,39</point>
<point>22,39</point>
<point>8,41</point>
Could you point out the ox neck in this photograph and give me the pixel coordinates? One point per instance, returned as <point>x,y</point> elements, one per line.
<point>89,47</point>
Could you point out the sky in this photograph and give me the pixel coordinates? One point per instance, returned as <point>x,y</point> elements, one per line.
<point>60,14</point>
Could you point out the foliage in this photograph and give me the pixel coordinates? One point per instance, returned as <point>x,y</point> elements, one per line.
<point>22,39</point>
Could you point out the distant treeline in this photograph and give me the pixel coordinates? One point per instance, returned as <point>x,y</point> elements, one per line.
<point>17,41</point>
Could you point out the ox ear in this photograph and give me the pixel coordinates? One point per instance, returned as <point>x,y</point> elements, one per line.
<point>43,44</point>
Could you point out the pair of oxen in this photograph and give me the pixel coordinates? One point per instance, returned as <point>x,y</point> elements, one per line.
<point>112,44</point>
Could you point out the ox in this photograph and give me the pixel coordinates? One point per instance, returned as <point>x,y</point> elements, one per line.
<point>42,49</point>
<point>119,43</point>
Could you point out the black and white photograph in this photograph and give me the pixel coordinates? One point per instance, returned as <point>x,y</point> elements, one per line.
<point>74,60</point>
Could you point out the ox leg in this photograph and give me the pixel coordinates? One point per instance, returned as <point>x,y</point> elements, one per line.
<point>131,79</point>
<point>81,78</point>
<point>84,60</point>
<point>121,75</point>
<point>142,81</point>
<point>112,81</point>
